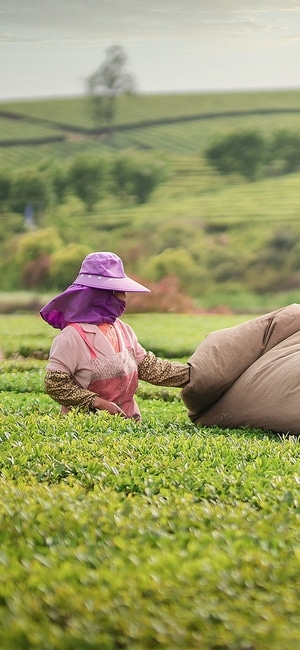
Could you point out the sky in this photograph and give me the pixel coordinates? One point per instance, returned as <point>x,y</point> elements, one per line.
<point>48,48</point>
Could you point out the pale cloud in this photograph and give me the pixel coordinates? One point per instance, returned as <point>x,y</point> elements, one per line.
<point>166,41</point>
<point>133,19</point>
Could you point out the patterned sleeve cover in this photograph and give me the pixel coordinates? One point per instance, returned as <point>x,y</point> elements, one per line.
<point>64,390</point>
<point>162,372</point>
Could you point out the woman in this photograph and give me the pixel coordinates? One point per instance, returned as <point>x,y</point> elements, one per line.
<point>96,361</point>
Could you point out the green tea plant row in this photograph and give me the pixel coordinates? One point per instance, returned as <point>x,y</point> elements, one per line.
<point>117,534</point>
<point>15,129</point>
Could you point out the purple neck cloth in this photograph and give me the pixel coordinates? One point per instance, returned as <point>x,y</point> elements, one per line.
<point>80,304</point>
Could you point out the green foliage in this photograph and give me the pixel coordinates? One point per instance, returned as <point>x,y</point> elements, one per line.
<point>222,230</point>
<point>32,257</point>
<point>285,148</point>
<point>115,533</point>
<point>223,225</point>
<point>238,152</point>
<point>86,179</point>
<point>185,265</point>
<point>101,571</point>
<point>144,181</point>
<point>118,534</point>
<point>121,172</point>
<point>32,245</point>
<point>5,182</point>
<point>246,153</point>
<point>171,261</point>
<point>65,264</point>
<point>28,187</point>
<point>137,176</point>
<point>58,176</point>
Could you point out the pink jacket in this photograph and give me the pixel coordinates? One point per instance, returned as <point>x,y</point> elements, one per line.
<point>95,365</point>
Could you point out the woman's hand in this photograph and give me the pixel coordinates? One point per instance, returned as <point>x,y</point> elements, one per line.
<point>104,405</point>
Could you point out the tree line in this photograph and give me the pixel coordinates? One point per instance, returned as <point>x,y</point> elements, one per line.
<point>250,154</point>
<point>134,176</point>
<point>88,177</point>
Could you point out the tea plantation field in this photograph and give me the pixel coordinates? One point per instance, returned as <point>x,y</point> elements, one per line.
<point>116,534</point>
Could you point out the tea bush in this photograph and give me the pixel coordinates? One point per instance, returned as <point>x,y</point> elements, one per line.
<point>118,534</point>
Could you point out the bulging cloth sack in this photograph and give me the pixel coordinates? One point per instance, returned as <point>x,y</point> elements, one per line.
<point>249,375</point>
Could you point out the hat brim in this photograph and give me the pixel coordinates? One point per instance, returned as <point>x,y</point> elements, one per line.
<point>111,284</point>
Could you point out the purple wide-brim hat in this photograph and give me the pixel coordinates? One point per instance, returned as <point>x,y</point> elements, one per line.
<point>88,298</point>
<point>106,271</point>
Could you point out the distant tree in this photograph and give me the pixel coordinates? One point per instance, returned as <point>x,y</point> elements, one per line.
<point>86,176</point>
<point>285,147</point>
<point>137,176</point>
<point>29,186</point>
<point>5,183</point>
<point>57,174</point>
<point>144,182</point>
<point>107,82</point>
<point>240,152</point>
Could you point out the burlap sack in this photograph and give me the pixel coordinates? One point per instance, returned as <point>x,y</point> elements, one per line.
<point>249,374</point>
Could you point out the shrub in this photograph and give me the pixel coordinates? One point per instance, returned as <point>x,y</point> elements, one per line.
<point>174,262</point>
<point>32,257</point>
<point>65,264</point>
<point>35,274</point>
<point>165,297</point>
<point>32,245</point>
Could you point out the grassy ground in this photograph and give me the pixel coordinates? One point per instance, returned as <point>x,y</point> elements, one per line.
<point>142,107</point>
